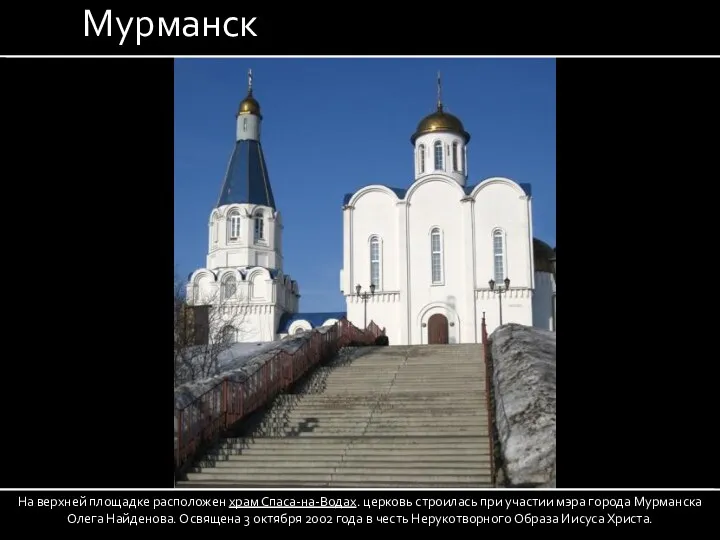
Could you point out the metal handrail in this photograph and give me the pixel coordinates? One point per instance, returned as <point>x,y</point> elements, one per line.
<point>230,401</point>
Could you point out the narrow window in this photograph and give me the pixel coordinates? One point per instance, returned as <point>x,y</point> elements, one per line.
<point>455,156</point>
<point>375,261</point>
<point>421,157</point>
<point>436,253</point>
<point>259,228</point>
<point>234,227</point>
<point>499,257</point>
<point>438,156</point>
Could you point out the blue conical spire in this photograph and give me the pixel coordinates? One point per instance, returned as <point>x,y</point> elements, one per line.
<point>246,179</point>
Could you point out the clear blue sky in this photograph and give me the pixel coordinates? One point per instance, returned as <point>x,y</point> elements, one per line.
<point>332,126</point>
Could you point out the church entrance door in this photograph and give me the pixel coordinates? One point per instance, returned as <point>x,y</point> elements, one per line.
<point>438,330</point>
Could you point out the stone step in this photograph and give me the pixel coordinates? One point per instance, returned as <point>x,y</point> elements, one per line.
<point>451,362</point>
<point>400,453</point>
<point>286,433</point>
<point>438,383</point>
<point>465,398</point>
<point>361,454</point>
<point>312,405</point>
<point>350,456</point>
<point>359,418</point>
<point>241,470</point>
<point>358,478</point>
<point>390,420</point>
<point>375,400</point>
<point>372,430</point>
<point>425,439</point>
<point>391,387</point>
<point>403,416</point>
<point>365,400</point>
<point>439,370</point>
<point>306,463</point>
<point>359,411</point>
<point>445,365</point>
<point>360,428</point>
<point>239,484</point>
<point>316,444</point>
<point>446,451</point>
<point>443,368</point>
<point>381,409</point>
<point>355,418</point>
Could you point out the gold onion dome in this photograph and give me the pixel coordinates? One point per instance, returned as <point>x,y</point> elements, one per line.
<point>249,105</point>
<point>440,121</point>
<point>543,254</point>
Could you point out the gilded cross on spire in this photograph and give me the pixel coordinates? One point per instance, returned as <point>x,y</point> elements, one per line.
<point>249,81</point>
<point>439,93</point>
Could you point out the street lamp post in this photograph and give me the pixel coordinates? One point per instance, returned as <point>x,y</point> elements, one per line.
<point>365,296</point>
<point>499,291</point>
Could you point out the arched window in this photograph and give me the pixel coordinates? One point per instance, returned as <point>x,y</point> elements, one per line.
<point>438,156</point>
<point>229,287</point>
<point>436,256</point>
<point>259,228</point>
<point>234,229</point>
<point>498,257</point>
<point>421,158</point>
<point>375,261</point>
<point>299,330</point>
<point>455,156</point>
<point>244,124</point>
<point>464,160</point>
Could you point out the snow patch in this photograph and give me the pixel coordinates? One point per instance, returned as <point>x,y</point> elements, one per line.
<point>240,361</point>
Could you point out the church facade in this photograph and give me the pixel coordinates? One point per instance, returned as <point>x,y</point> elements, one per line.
<point>427,260</point>
<point>248,296</point>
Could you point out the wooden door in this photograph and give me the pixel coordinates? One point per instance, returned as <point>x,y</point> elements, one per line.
<point>438,330</point>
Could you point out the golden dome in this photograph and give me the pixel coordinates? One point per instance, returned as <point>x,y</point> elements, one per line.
<point>249,105</point>
<point>440,121</point>
<point>542,254</point>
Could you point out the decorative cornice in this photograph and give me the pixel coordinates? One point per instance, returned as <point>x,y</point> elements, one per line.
<point>380,297</point>
<point>519,292</point>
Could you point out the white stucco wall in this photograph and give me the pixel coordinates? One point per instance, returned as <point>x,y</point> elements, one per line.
<point>448,166</point>
<point>225,251</point>
<point>542,301</point>
<point>407,297</point>
<point>255,308</point>
<point>248,127</point>
<point>434,202</point>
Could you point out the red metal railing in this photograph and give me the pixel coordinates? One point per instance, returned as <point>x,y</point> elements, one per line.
<point>488,397</point>
<point>230,401</point>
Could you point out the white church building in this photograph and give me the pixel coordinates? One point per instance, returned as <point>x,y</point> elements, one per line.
<point>250,298</point>
<point>419,260</point>
<point>422,255</point>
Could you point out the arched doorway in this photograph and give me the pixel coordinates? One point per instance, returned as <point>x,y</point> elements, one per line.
<point>438,330</point>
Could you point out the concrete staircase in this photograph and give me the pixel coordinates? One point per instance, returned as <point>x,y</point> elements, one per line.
<point>402,416</point>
